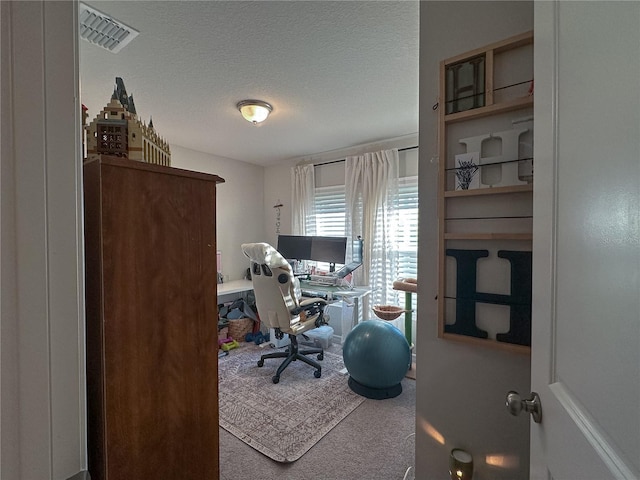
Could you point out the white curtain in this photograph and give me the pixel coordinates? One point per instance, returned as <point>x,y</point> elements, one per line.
<point>303,200</point>
<point>371,184</point>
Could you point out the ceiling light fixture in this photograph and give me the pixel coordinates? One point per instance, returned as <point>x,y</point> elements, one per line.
<point>254,111</point>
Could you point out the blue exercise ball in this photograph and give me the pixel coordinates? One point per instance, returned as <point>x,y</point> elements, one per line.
<point>377,357</point>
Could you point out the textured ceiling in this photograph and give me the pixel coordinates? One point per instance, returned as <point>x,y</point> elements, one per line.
<point>338,74</point>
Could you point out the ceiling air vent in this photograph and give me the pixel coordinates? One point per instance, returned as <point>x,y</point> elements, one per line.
<point>102,30</point>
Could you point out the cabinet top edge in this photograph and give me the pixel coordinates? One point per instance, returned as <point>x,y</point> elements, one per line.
<point>150,167</point>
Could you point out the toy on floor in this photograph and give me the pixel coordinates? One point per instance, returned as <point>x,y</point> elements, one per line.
<point>227,344</point>
<point>257,338</point>
<point>377,357</point>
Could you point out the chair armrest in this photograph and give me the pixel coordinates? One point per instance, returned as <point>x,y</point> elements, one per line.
<point>313,309</point>
<point>311,301</point>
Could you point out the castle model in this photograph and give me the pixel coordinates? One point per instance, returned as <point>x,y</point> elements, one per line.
<point>117,131</point>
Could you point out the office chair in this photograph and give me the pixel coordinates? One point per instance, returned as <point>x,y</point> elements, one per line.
<point>279,305</point>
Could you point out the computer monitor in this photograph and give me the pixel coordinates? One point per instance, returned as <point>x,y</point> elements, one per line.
<point>331,250</point>
<point>328,249</point>
<point>294,247</point>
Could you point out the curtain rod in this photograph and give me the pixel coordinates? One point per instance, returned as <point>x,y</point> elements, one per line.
<point>344,159</point>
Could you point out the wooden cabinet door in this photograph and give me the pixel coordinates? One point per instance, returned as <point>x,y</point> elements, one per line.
<point>159,323</point>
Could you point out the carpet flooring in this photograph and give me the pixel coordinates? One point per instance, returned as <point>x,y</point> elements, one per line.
<point>374,442</point>
<point>284,420</point>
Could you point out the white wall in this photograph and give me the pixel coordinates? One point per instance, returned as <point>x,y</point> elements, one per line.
<point>277,191</point>
<point>239,209</point>
<point>42,407</point>
<point>461,388</point>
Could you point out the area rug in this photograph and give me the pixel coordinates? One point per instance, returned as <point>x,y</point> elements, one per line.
<point>284,420</point>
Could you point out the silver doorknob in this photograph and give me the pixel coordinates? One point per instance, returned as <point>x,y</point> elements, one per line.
<point>532,405</point>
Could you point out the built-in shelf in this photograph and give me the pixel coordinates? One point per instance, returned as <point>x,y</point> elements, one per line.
<point>479,109</point>
<point>489,191</point>
<point>494,109</point>
<point>488,236</point>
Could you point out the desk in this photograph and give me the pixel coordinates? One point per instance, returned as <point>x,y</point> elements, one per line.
<point>350,297</point>
<point>333,291</point>
<point>234,286</point>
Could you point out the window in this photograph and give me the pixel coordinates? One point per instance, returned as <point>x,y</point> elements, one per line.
<point>330,211</point>
<point>408,217</point>
<point>330,221</point>
<point>330,214</point>
<point>408,238</point>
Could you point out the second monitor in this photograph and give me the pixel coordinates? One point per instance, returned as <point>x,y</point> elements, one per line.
<point>328,249</point>
<point>316,248</point>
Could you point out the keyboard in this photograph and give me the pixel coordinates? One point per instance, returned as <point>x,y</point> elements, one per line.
<point>313,294</point>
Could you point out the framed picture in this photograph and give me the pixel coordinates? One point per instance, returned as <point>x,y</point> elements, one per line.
<point>467,171</point>
<point>465,84</point>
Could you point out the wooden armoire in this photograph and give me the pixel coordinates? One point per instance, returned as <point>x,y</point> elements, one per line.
<point>151,321</point>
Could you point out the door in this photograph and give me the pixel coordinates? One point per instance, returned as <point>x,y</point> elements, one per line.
<point>586,307</point>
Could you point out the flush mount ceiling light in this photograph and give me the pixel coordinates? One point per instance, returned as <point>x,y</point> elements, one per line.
<point>254,111</point>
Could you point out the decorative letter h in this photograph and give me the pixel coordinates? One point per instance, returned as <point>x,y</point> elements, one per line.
<point>519,300</point>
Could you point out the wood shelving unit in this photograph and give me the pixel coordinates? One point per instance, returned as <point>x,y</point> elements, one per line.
<point>497,62</point>
<point>496,108</point>
<point>488,191</point>
<point>488,236</point>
